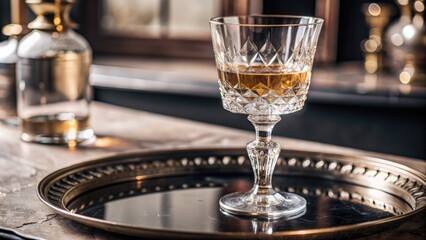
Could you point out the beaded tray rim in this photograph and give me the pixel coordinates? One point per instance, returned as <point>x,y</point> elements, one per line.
<point>358,167</point>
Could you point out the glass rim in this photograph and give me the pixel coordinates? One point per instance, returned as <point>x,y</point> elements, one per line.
<point>216,20</point>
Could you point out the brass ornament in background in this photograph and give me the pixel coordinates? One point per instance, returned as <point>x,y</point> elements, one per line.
<point>406,43</point>
<point>377,16</point>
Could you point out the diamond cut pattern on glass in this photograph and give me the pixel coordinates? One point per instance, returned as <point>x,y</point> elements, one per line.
<point>268,53</point>
<point>269,102</point>
<point>248,52</point>
<point>288,50</point>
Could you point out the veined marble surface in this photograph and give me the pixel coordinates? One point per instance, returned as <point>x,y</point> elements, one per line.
<point>22,165</point>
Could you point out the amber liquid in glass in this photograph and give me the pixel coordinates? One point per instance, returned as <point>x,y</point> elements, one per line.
<point>53,126</point>
<point>262,83</point>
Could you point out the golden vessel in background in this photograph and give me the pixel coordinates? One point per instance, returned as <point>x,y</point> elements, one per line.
<point>406,43</point>
<point>53,77</point>
<point>8,59</point>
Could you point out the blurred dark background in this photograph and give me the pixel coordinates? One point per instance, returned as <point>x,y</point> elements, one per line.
<point>345,107</point>
<point>352,28</point>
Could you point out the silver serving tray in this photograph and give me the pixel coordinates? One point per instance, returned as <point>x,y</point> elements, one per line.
<point>175,194</point>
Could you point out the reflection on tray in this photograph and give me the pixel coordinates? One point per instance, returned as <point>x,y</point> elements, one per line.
<point>182,203</point>
<point>179,192</point>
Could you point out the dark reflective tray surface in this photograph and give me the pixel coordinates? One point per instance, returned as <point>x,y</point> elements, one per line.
<point>176,194</point>
<point>196,209</point>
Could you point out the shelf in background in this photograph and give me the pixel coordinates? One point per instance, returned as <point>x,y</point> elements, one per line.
<point>344,106</point>
<point>346,84</point>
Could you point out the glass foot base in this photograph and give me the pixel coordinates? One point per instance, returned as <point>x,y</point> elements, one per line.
<point>81,136</point>
<point>271,206</point>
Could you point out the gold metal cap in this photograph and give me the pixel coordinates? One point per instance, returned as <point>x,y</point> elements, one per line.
<point>49,1</point>
<point>52,15</point>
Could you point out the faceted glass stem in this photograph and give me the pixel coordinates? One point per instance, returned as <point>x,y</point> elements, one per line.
<point>263,153</point>
<point>262,201</point>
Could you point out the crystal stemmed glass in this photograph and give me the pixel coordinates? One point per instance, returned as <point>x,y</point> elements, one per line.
<point>264,65</point>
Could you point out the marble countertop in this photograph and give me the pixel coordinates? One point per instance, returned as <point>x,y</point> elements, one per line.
<point>22,165</point>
